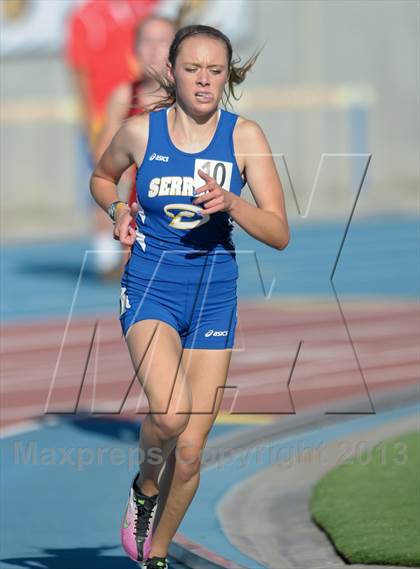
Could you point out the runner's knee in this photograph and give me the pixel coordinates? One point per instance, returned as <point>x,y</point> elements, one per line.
<point>169,425</point>
<point>188,458</point>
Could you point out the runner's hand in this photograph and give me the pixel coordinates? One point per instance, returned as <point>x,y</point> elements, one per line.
<point>123,231</point>
<point>216,198</point>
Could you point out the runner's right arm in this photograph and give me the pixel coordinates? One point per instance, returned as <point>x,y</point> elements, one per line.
<point>127,147</point>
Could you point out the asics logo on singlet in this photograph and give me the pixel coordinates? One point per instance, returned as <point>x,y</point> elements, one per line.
<point>216,333</point>
<point>158,157</point>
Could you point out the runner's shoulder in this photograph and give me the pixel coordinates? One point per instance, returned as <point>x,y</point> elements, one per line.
<point>135,129</point>
<point>247,127</point>
<point>247,132</point>
<point>136,125</point>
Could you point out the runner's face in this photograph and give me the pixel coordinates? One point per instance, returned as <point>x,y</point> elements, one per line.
<point>154,42</point>
<point>200,73</point>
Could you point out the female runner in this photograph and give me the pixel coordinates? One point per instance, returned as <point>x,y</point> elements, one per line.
<point>178,294</point>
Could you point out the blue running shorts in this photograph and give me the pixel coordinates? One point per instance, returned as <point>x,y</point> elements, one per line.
<point>199,303</point>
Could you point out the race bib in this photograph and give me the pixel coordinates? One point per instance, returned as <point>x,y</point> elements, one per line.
<point>220,171</point>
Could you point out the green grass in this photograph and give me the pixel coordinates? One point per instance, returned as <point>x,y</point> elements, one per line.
<point>370,506</point>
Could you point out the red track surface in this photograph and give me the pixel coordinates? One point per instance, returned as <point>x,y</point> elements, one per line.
<point>310,346</point>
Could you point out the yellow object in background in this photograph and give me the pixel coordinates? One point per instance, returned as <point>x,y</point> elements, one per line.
<point>14,9</point>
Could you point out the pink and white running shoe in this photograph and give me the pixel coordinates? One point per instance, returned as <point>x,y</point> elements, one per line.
<point>136,528</point>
